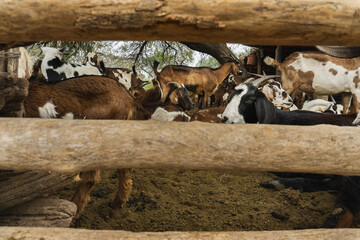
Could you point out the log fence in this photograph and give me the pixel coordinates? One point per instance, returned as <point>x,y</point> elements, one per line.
<point>81,145</point>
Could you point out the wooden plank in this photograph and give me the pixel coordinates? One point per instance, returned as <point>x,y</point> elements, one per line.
<point>83,145</point>
<point>41,212</point>
<point>272,22</point>
<point>17,188</point>
<point>64,233</point>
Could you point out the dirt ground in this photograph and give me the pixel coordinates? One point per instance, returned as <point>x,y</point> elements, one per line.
<point>179,200</point>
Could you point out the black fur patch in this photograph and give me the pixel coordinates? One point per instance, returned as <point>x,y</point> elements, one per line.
<point>192,88</point>
<point>73,65</point>
<point>54,76</point>
<point>102,67</point>
<point>76,74</point>
<point>55,63</point>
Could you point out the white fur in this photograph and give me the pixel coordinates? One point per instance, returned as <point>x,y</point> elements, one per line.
<point>161,114</point>
<point>68,115</point>
<point>48,110</point>
<point>225,96</point>
<point>231,111</point>
<point>125,79</point>
<point>320,105</point>
<point>67,69</point>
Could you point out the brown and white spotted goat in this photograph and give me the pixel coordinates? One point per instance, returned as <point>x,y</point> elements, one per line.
<point>124,76</point>
<point>321,74</point>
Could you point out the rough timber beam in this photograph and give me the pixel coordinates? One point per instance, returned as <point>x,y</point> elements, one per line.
<point>81,145</point>
<point>65,233</point>
<point>272,22</point>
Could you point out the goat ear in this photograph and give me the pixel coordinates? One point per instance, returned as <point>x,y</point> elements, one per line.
<point>265,110</point>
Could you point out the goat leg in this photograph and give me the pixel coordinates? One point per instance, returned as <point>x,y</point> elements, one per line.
<point>124,189</point>
<point>82,194</point>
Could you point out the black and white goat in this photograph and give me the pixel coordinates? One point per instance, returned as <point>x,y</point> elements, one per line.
<point>249,105</point>
<point>55,69</point>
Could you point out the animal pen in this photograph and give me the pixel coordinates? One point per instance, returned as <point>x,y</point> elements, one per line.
<point>73,146</point>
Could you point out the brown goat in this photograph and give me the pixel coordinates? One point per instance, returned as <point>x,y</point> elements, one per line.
<point>90,97</point>
<point>199,80</point>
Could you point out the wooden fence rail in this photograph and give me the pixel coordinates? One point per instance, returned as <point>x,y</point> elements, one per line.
<point>270,22</point>
<point>63,233</point>
<point>81,145</point>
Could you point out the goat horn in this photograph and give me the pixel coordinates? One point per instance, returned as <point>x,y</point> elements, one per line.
<point>257,75</point>
<point>258,81</point>
<point>175,83</point>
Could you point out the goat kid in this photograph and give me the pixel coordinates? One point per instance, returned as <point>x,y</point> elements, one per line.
<point>55,69</point>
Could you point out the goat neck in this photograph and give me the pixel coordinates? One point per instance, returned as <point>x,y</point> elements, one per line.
<point>222,72</point>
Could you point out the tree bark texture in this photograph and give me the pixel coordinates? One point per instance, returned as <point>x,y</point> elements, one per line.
<point>41,212</point>
<point>17,188</point>
<point>62,234</point>
<point>271,22</point>
<point>83,145</point>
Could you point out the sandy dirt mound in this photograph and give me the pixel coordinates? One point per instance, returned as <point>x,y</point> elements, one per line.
<point>179,200</point>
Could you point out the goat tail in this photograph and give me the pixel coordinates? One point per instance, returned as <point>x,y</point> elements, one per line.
<point>271,62</point>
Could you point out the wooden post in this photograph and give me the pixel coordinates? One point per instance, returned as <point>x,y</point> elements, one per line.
<point>83,145</point>
<point>63,233</point>
<point>288,22</point>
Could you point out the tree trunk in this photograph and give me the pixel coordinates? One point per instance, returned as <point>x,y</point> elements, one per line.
<point>219,51</point>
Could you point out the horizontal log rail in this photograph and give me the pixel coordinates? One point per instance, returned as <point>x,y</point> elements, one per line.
<point>63,233</point>
<point>270,22</point>
<point>81,145</point>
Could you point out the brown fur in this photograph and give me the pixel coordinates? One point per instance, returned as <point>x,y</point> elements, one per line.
<point>224,87</point>
<point>206,79</point>
<point>208,115</point>
<point>91,97</point>
<point>124,188</point>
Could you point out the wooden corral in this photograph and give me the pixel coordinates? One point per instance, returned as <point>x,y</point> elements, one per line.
<point>79,145</point>
<point>271,22</point>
